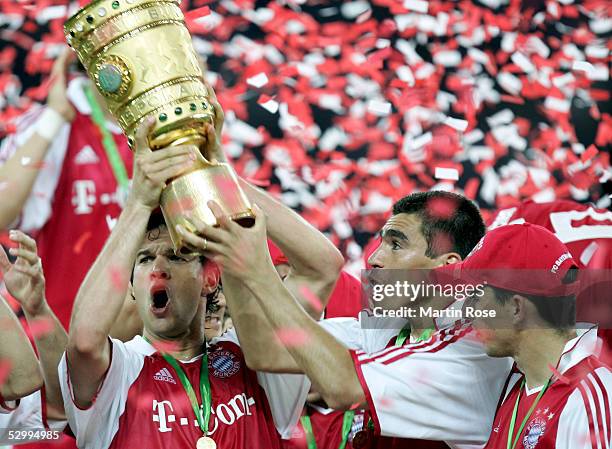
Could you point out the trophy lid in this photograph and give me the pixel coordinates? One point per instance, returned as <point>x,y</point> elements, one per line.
<point>98,12</point>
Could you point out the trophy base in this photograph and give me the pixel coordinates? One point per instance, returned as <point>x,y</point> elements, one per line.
<point>186,198</point>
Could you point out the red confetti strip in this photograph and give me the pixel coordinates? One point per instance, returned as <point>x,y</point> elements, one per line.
<point>78,246</point>
<point>292,337</point>
<point>312,299</point>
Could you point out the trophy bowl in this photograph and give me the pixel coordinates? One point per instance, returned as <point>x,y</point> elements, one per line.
<point>140,57</point>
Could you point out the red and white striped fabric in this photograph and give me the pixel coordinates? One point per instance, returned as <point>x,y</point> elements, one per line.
<point>574,413</point>
<point>444,389</point>
<point>141,402</point>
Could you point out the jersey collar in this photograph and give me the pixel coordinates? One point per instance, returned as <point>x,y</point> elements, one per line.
<point>577,349</point>
<point>141,346</point>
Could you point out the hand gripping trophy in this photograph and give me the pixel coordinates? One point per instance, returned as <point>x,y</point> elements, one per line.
<point>140,56</point>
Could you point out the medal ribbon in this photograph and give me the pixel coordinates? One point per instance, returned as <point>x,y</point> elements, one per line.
<point>510,444</point>
<point>202,412</point>
<point>347,423</point>
<point>108,142</point>
<point>405,333</point>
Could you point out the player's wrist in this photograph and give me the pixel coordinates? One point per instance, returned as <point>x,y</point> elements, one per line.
<point>50,123</point>
<point>37,308</point>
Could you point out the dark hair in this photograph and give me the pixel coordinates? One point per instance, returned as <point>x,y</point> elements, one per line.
<point>449,221</point>
<point>212,299</point>
<point>559,312</point>
<point>156,223</point>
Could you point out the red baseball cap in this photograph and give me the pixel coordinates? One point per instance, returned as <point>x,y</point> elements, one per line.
<point>523,258</point>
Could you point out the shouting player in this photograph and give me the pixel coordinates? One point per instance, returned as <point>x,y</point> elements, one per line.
<point>166,388</point>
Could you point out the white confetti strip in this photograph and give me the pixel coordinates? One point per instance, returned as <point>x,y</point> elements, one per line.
<point>563,80</point>
<point>379,108</point>
<point>557,104</point>
<point>455,123</point>
<point>25,160</point>
<point>449,58</point>
<point>352,10</point>
<point>523,62</point>
<point>596,51</point>
<point>419,141</point>
<point>416,5</point>
<point>270,106</point>
<point>583,66</point>
<point>331,102</point>
<point>405,74</point>
<point>502,117</point>
<point>259,80</point>
<point>510,83</point>
<point>451,174</point>
<point>51,13</point>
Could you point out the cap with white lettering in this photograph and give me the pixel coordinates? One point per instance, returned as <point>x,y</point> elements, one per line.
<point>523,258</point>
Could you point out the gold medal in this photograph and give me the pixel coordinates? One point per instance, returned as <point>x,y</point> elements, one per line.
<point>206,443</point>
<point>361,439</point>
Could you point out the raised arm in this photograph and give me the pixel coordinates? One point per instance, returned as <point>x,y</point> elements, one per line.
<point>103,291</point>
<point>315,266</point>
<point>25,281</point>
<point>18,174</point>
<point>315,261</point>
<point>298,343</point>
<point>16,353</point>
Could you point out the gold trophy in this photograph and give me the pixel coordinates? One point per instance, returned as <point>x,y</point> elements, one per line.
<point>140,56</point>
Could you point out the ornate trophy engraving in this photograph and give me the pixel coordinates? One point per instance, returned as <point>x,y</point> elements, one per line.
<point>140,56</point>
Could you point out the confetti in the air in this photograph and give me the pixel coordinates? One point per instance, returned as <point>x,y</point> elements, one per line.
<point>349,107</point>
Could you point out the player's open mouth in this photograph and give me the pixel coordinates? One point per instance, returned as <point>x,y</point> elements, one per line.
<point>159,300</point>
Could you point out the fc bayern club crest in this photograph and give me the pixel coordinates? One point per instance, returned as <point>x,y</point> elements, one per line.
<point>223,363</point>
<point>535,429</point>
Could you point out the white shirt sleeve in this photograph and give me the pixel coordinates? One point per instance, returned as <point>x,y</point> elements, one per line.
<point>286,393</point>
<point>96,426</point>
<point>587,403</point>
<point>37,208</point>
<point>444,389</point>
<point>367,333</point>
<point>27,416</point>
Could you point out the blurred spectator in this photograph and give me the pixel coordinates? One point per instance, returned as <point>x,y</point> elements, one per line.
<point>66,170</point>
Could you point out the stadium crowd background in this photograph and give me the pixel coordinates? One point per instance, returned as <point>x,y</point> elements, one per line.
<point>345,107</point>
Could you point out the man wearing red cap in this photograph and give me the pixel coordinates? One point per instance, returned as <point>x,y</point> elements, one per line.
<point>587,233</point>
<point>560,393</point>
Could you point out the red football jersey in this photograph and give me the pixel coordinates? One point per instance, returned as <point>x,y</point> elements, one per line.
<point>573,413</point>
<point>142,403</point>
<point>86,204</point>
<point>345,300</point>
<point>585,230</point>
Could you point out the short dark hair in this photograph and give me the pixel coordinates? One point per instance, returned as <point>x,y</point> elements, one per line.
<point>157,221</point>
<point>449,221</point>
<point>559,312</point>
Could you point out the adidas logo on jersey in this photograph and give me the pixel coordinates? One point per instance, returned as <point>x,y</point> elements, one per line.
<point>165,376</point>
<point>87,155</point>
